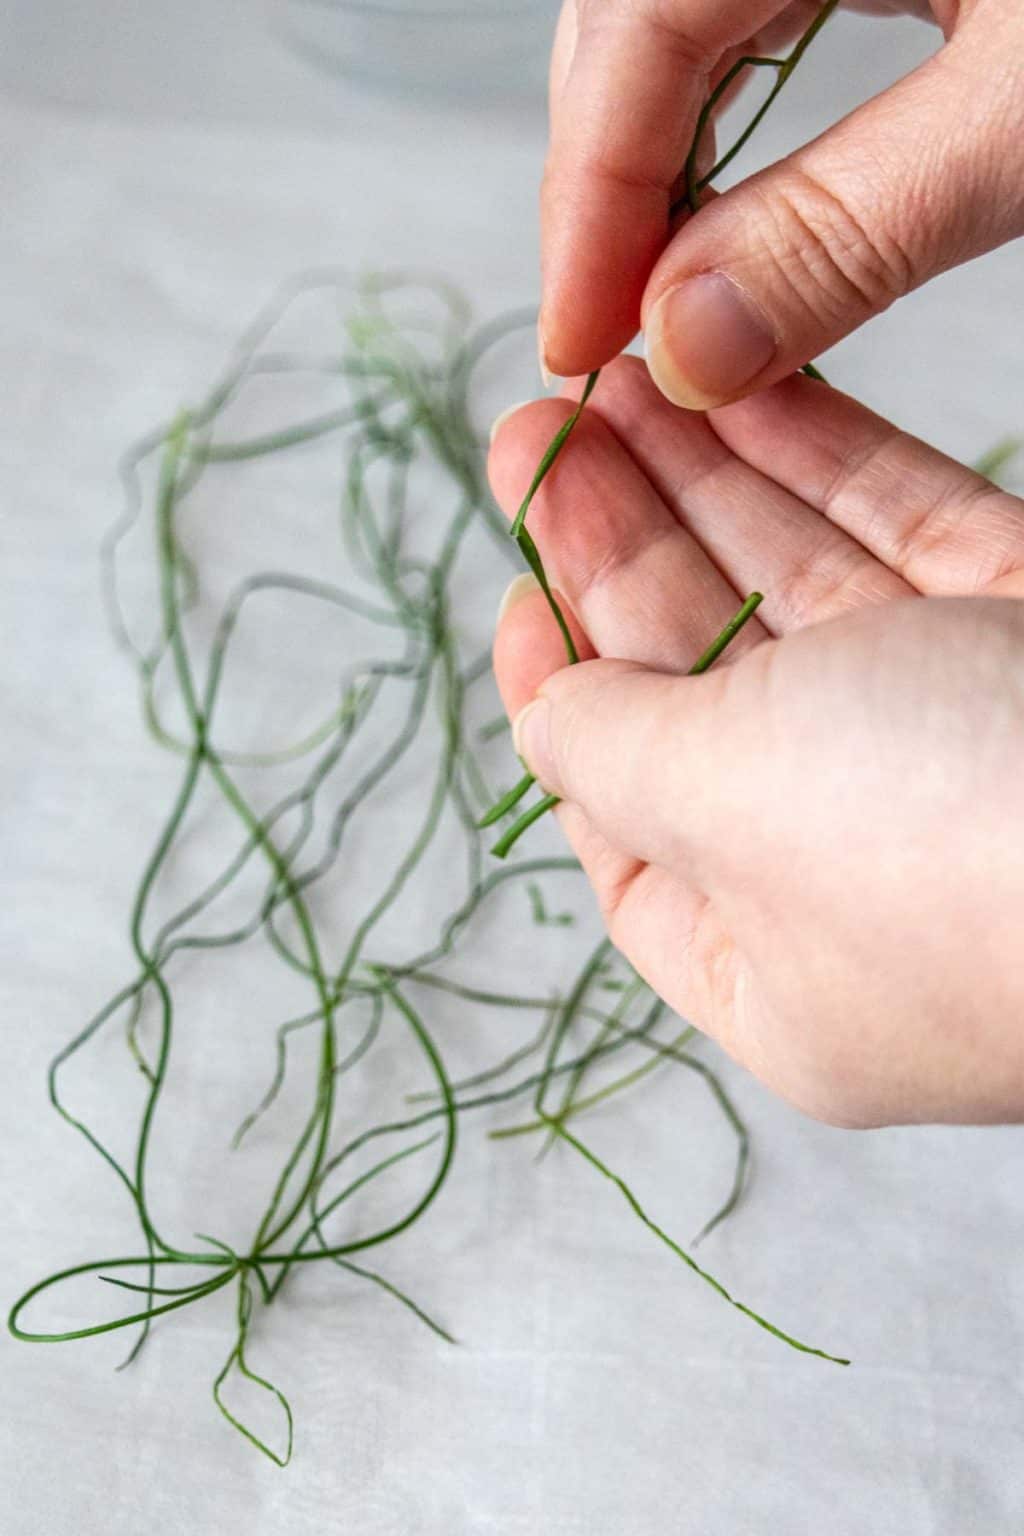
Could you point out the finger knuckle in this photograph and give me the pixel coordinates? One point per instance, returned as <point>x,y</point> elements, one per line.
<point>834,258</point>
<point>667,19</point>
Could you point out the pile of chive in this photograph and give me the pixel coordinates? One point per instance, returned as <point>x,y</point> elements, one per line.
<point>296,812</point>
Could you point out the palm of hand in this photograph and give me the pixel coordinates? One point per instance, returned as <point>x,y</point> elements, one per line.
<point>766,893</point>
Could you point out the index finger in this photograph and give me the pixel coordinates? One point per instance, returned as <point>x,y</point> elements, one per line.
<point>629,80</point>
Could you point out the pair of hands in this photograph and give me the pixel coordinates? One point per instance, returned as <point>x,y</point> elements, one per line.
<point>814,852</point>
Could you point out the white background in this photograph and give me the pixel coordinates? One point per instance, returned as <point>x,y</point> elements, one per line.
<point>163,167</point>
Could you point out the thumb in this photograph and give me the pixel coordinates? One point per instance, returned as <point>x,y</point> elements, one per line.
<point>643,754</point>
<point>925,176</point>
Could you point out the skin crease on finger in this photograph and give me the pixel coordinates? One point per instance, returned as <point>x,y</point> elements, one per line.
<point>821,982</point>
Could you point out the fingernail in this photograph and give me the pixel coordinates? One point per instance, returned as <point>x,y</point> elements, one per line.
<point>531,736</point>
<point>546,376</point>
<point>503,416</point>
<point>517,589</point>
<point>705,341</point>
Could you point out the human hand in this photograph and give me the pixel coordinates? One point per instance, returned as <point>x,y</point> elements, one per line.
<point>767,276</point>
<point>814,852</point>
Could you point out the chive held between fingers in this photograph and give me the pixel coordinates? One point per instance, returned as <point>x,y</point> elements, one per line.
<point>710,656</point>
<point>551,453</point>
<point>505,843</point>
<point>509,839</point>
<point>689,202</point>
<point>513,796</point>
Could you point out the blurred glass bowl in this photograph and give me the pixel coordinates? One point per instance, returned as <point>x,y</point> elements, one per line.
<point>460,48</point>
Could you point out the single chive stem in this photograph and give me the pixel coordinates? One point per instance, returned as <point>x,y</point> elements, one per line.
<point>512,797</point>
<point>531,554</point>
<point>551,453</point>
<point>659,1232</point>
<point>526,820</point>
<point>728,634</point>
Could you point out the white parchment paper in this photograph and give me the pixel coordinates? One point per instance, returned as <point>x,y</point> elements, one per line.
<point>162,169</point>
